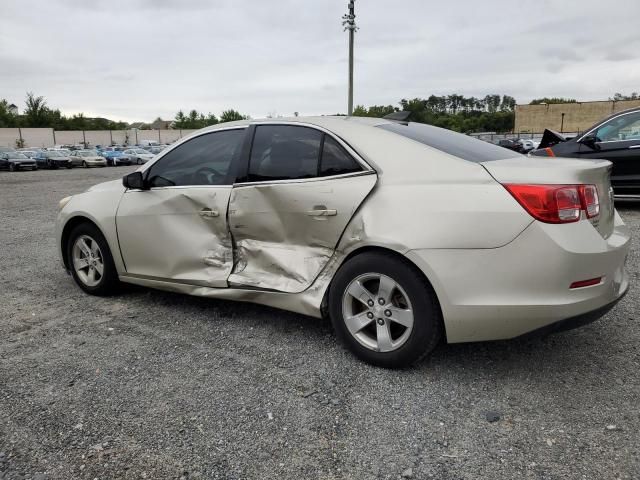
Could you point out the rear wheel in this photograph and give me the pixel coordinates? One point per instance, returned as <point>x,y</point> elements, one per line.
<point>384,310</point>
<point>90,261</point>
<point>12,167</point>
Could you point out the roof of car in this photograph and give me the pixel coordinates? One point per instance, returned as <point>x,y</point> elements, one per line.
<point>330,122</point>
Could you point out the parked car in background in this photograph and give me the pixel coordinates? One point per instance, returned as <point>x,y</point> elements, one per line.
<point>29,153</point>
<point>138,156</point>
<point>53,159</point>
<point>114,157</point>
<point>7,149</point>
<point>87,158</point>
<point>616,138</point>
<point>511,144</point>
<point>154,150</point>
<point>401,233</point>
<point>14,161</point>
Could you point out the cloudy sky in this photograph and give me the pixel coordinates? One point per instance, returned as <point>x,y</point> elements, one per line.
<point>138,59</point>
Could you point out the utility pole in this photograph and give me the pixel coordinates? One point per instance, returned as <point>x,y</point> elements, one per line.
<point>349,22</point>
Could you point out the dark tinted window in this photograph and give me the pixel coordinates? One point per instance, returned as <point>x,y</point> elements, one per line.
<point>204,160</point>
<point>284,152</point>
<point>335,160</point>
<point>462,146</point>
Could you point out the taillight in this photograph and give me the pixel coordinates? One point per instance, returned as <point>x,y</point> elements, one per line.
<point>556,203</point>
<point>590,201</point>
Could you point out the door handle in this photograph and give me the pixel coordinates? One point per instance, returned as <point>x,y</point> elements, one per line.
<point>322,211</point>
<point>207,212</point>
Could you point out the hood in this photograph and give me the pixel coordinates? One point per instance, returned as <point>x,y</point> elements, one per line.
<point>551,138</point>
<point>115,185</point>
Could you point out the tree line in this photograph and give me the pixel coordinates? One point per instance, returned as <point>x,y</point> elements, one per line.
<point>491,113</point>
<point>195,119</point>
<point>494,113</point>
<point>38,114</point>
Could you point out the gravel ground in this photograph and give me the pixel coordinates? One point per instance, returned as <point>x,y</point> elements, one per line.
<point>156,385</point>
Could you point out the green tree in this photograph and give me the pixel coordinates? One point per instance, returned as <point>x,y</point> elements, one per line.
<point>618,96</point>
<point>551,100</point>
<point>36,113</point>
<point>7,118</point>
<point>231,115</point>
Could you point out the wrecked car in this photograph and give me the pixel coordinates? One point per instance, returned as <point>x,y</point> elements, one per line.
<point>401,233</point>
<point>616,138</point>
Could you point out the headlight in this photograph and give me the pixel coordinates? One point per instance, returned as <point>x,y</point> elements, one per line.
<point>63,202</point>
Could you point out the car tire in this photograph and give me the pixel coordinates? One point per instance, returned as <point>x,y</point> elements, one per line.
<point>139,162</point>
<point>12,167</point>
<point>84,164</point>
<point>411,319</point>
<point>94,283</point>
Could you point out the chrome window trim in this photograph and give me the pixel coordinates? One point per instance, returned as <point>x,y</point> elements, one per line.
<point>605,122</point>
<point>305,180</point>
<point>178,187</point>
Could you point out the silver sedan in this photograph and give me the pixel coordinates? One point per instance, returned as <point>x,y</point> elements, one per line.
<point>87,158</point>
<point>402,233</point>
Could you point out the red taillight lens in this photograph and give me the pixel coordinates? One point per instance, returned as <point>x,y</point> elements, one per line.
<point>556,203</point>
<point>590,201</point>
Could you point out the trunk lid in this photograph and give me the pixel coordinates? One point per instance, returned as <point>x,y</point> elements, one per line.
<point>556,171</point>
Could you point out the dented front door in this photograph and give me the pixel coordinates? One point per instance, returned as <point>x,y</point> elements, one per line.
<point>177,233</point>
<point>285,233</point>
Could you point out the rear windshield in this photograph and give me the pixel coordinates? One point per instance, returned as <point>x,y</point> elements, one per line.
<point>453,143</point>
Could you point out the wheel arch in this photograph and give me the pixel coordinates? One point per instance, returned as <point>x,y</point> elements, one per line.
<point>385,251</point>
<point>66,232</point>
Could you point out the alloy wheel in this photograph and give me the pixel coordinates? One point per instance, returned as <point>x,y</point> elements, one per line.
<point>377,312</point>
<point>88,261</point>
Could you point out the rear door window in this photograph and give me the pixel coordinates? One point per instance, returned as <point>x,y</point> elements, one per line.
<point>284,152</point>
<point>335,160</point>
<point>453,143</point>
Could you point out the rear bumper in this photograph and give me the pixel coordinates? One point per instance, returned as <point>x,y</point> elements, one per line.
<point>573,322</point>
<point>507,292</point>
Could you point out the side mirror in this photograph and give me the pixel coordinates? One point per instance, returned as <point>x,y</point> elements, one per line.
<point>134,181</point>
<point>590,141</point>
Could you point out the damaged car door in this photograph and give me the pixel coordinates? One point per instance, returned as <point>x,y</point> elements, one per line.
<point>289,209</point>
<point>176,227</point>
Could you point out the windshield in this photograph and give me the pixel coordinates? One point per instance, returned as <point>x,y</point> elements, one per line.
<point>86,154</point>
<point>16,155</point>
<point>55,154</point>
<point>140,150</point>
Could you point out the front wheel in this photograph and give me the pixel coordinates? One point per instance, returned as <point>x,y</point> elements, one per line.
<point>84,164</point>
<point>90,261</point>
<point>12,167</point>
<point>384,310</point>
<point>139,162</point>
